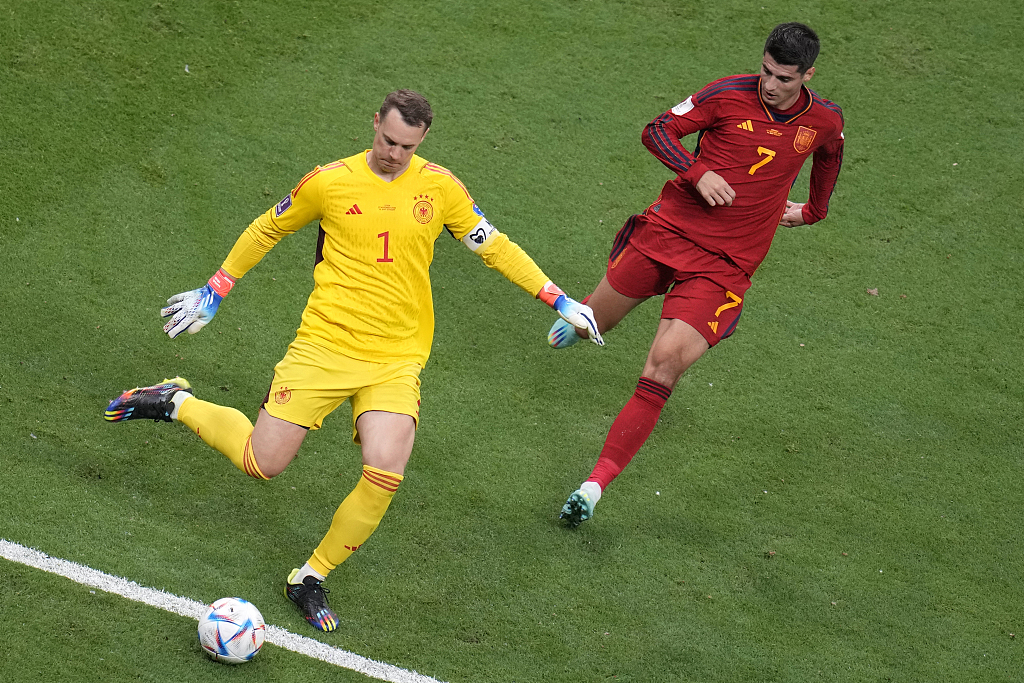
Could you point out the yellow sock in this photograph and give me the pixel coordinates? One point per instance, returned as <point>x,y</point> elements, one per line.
<point>226,429</point>
<point>356,518</point>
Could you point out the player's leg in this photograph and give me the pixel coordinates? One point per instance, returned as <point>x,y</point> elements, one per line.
<point>631,278</point>
<point>385,426</point>
<point>262,453</point>
<point>609,306</point>
<point>677,345</point>
<point>387,440</point>
<point>309,383</point>
<point>697,314</point>
<point>615,296</point>
<point>275,442</point>
<point>298,398</point>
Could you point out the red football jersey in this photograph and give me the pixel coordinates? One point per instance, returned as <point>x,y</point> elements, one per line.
<point>757,150</point>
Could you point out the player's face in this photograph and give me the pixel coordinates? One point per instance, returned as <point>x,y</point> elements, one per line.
<point>780,84</point>
<point>394,142</point>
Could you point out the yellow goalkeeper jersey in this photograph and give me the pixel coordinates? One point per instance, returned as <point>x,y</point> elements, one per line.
<point>371,299</point>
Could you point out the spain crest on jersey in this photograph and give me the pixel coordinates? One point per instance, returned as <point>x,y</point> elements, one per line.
<point>804,139</point>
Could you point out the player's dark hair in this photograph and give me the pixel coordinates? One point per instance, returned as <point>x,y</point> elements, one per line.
<point>413,107</point>
<point>793,44</point>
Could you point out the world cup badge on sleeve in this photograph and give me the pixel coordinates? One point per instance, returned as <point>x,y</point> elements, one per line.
<point>283,205</point>
<point>804,139</point>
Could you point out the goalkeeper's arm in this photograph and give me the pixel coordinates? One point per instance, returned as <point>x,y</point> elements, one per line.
<point>509,259</point>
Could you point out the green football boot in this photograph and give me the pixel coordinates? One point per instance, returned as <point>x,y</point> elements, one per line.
<point>578,509</point>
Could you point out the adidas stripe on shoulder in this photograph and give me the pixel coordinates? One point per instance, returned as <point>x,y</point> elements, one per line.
<point>441,170</point>
<point>319,169</point>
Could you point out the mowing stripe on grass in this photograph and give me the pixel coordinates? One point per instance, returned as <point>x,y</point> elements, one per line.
<point>192,609</point>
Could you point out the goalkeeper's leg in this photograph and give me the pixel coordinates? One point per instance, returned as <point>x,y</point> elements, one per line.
<point>261,452</point>
<point>387,440</point>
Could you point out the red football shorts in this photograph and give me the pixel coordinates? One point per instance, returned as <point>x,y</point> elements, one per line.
<point>702,289</point>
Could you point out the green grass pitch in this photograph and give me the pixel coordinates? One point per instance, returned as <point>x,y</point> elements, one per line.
<point>834,494</point>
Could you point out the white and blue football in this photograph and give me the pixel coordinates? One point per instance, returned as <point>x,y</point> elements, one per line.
<point>231,630</point>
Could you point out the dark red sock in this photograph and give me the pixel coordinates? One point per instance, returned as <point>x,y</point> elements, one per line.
<point>630,430</point>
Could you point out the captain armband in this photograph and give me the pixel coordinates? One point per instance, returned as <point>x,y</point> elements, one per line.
<point>476,237</point>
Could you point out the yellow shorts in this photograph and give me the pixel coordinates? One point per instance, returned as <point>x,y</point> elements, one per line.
<point>311,381</point>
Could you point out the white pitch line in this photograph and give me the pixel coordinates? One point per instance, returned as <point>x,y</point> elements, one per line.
<point>190,608</point>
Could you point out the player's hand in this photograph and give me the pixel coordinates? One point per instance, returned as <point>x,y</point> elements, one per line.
<point>715,190</point>
<point>193,310</point>
<point>793,215</point>
<point>578,315</point>
<point>190,310</point>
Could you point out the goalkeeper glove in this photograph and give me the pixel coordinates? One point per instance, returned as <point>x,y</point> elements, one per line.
<point>193,310</point>
<point>573,312</point>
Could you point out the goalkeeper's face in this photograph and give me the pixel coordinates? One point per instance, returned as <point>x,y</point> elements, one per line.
<point>394,143</point>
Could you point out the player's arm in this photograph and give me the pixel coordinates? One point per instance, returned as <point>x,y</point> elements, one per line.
<point>194,309</point>
<point>505,256</point>
<point>827,161</point>
<point>466,222</point>
<point>662,138</point>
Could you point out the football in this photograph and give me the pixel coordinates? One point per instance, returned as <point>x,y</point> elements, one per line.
<point>231,630</point>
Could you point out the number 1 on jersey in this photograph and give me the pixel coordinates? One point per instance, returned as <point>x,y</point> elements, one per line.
<point>386,258</point>
<point>762,151</point>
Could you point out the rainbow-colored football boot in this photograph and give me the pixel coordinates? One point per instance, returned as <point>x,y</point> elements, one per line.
<point>147,403</point>
<point>311,599</point>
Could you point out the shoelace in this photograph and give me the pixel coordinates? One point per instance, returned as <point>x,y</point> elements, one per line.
<point>314,586</point>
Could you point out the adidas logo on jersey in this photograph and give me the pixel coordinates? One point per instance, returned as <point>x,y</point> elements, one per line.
<point>746,125</point>
<point>354,209</point>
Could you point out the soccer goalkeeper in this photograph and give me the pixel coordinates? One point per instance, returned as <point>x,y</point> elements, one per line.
<point>366,330</point>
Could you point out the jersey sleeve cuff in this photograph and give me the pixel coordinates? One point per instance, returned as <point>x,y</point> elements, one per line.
<point>697,170</point>
<point>222,282</point>
<point>808,215</point>
<point>549,293</point>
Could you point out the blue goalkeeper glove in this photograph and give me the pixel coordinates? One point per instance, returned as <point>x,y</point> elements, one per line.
<point>573,312</point>
<point>193,310</point>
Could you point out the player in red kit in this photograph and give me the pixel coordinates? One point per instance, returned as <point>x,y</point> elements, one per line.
<point>709,229</point>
